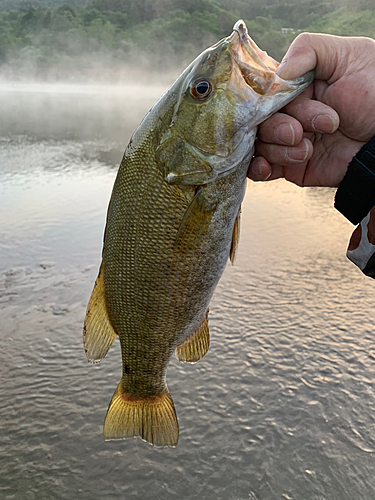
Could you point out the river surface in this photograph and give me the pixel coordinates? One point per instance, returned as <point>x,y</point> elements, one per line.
<point>282,406</point>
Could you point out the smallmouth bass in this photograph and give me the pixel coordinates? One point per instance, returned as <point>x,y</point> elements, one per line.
<point>172,223</point>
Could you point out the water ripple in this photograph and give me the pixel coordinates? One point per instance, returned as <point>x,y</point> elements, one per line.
<point>282,406</point>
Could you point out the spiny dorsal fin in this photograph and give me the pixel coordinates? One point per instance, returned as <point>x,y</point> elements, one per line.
<point>235,237</point>
<point>98,333</point>
<point>195,346</point>
<point>153,418</point>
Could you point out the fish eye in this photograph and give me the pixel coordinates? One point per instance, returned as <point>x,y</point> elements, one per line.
<point>201,88</point>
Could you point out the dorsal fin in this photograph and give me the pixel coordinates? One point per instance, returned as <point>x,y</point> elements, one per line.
<point>98,333</point>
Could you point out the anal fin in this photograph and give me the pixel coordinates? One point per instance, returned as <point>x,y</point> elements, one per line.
<point>153,418</point>
<point>235,237</point>
<point>98,333</point>
<point>195,346</point>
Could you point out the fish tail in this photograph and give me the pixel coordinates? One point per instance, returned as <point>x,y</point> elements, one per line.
<point>153,418</point>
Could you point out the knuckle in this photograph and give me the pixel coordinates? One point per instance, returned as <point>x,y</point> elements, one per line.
<point>368,45</point>
<point>304,37</point>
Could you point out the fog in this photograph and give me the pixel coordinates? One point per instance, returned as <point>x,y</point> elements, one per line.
<point>91,62</point>
<point>98,68</point>
<point>66,110</point>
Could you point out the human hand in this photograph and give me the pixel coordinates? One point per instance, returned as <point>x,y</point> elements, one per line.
<point>312,140</point>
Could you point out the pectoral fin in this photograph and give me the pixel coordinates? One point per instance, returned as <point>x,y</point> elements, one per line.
<point>195,346</point>
<point>235,237</point>
<point>98,333</point>
<point>196,220</point>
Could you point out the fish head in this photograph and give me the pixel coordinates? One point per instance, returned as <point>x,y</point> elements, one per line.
<point>223,95</point>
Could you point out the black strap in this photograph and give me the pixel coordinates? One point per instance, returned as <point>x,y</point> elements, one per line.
<point>355,195</point>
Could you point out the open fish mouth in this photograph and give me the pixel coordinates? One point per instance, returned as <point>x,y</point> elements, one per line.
<point>258,69</point>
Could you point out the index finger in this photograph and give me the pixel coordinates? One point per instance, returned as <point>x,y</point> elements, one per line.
<point>313,115</point>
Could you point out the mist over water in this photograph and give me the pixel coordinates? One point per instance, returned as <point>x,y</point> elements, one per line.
<point>76,111</point>
<point>282,406</point>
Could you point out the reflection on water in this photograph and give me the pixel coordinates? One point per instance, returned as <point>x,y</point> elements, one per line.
<point>283,404</point>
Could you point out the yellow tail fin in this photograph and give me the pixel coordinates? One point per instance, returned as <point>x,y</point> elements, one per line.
<point>153,418</point>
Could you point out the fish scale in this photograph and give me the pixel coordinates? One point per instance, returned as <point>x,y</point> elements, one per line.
<point>172,223</point>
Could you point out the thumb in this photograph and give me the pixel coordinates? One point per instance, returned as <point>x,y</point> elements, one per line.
<point>319,52</point>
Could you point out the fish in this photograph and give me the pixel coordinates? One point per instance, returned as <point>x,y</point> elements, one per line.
<point>172,224</point>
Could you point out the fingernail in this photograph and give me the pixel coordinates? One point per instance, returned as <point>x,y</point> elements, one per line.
<point>324,123</point>
<point>257,169</point>
<point>298,153</point>
<point>285,133</point>
<point>281,67</point>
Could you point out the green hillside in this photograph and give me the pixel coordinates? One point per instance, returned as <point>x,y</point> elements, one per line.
<point>83,39</point>
<point>25,4</point>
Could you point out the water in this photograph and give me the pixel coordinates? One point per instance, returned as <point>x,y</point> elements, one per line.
<point>283,405</point>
